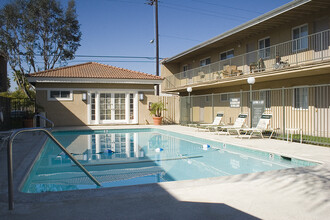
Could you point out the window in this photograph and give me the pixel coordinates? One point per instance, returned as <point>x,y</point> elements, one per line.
<point>205,62</point>
<point>264,48</point>
<point>224,97</point>
<point>207,99</point>
<point>119,106</point>
<point>300,38</point>
<point>93,106</point>
<point>60,95</point>
<point>226,55</point>
<point>131,106</point>
<point>185,69</point>
<point>266,96</point>
<point>300,96</point>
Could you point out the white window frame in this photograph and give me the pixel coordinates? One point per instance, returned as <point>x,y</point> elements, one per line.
<point>200,61</point>
<point>224,99</point>
<point>226,52</point>
<point>59,99</point>
<point>301,105</point>
<point>185,68</point>
<point>265,49</point>
<point>300,38</point>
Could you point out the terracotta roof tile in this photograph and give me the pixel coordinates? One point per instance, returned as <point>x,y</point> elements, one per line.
<point>94,70</point>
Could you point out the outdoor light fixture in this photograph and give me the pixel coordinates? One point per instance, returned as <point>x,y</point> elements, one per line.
<point>84,96</point>
<point>251,80</point>
<point>189,89</point>
<point>141,96</point>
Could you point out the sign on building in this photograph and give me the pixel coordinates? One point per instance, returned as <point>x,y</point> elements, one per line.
<point>235,102</point>
<point>258,108</point>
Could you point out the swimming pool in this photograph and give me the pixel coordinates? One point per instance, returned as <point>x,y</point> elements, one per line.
<point>140,156</point>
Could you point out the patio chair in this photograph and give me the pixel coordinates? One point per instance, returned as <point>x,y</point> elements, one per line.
<point>239,122</point>
<point>263,125</point>
<point>208,127</point>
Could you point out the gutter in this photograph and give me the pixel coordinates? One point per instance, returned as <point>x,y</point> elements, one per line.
<point>89,80</point>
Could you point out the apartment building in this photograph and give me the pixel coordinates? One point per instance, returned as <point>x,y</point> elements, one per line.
<point>286,51</point>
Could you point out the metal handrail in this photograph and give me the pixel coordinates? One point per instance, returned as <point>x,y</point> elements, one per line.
<point>10,160</point>
<point>46,119</point>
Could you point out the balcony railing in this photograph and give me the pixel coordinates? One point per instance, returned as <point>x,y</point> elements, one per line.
<point>309,49</point>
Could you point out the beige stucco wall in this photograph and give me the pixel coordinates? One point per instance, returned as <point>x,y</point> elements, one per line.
<point>170,116</point>
<point>282,33</point>
<point>64,113</point>
<point>74,112</point>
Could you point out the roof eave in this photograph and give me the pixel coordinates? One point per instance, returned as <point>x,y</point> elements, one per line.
<point>255,21</point>
<point>92,80</point>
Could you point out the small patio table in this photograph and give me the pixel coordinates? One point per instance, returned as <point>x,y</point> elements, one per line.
<point>292,131</point>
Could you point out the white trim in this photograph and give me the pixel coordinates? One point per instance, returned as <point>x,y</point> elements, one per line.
<point>265,48</point>
<point>300,37</point>
<point>59,99</point>
<point>226,53</point>
<point>98,89</point>
<point>90,80</point>
<point>209,57</point>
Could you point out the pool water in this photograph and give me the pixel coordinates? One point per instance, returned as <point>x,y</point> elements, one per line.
<point>140,156</point>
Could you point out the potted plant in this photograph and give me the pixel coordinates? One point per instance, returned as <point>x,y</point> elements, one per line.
<point>156,110</point>
<point>28,119</point>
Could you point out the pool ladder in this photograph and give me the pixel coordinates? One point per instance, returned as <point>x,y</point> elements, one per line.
<point>10,160</point>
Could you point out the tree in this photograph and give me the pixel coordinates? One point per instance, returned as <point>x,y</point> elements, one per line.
<point>31,30</point>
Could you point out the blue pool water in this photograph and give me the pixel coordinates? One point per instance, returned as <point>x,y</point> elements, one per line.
<point>140,156</point>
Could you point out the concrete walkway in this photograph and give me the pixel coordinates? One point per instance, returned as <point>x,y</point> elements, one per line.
<point>298,193</point>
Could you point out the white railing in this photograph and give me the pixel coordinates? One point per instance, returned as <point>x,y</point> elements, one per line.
<point>309,49</point>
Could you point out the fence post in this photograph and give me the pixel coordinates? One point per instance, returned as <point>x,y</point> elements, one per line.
<point>212,106</point>
<point>283,107</point>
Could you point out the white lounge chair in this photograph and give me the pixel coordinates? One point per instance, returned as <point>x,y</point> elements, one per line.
<point>208,127</point>
<point>263,125</point>
<point>239,122</point>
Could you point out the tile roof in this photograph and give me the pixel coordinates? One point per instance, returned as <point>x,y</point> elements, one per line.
<point>94,70</point>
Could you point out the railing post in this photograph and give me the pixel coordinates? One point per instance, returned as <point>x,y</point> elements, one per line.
<point>10,161</point>
<point>297,52</point>
<point>322,45</point>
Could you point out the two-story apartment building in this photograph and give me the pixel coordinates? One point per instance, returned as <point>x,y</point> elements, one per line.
<point>286,50</point>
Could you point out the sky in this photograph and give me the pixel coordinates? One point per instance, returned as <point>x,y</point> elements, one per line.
<point>125,27</point>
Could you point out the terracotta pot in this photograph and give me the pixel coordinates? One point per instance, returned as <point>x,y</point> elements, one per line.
<point>157,120</point>
<point>28,123</point>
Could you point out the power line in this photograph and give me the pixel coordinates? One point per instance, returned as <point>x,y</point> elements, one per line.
<point>203,11</point>
<point>182,38</point>
<point>106,61</point>
<point>226,6</point>
<point>214,14</point>
<point>106,56</point>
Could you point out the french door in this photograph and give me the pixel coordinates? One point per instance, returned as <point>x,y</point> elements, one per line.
<point>112,108</point>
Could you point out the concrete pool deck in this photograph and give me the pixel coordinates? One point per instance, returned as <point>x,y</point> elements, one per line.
<point>297,193</point>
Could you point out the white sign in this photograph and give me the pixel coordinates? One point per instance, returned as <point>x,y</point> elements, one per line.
<point>235,102</point>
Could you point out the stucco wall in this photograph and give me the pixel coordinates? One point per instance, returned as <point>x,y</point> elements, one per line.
<point>75,112</point>
<point>64,113</point>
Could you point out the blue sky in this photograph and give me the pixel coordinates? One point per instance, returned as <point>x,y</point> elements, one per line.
<point>125,27</point>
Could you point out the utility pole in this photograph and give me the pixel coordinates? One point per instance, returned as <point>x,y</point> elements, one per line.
<point>155,3</point>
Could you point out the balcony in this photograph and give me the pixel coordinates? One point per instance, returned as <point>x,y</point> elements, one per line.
<point>277,58</point>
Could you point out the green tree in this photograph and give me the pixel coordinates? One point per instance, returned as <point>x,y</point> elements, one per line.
<point>32,29</point>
